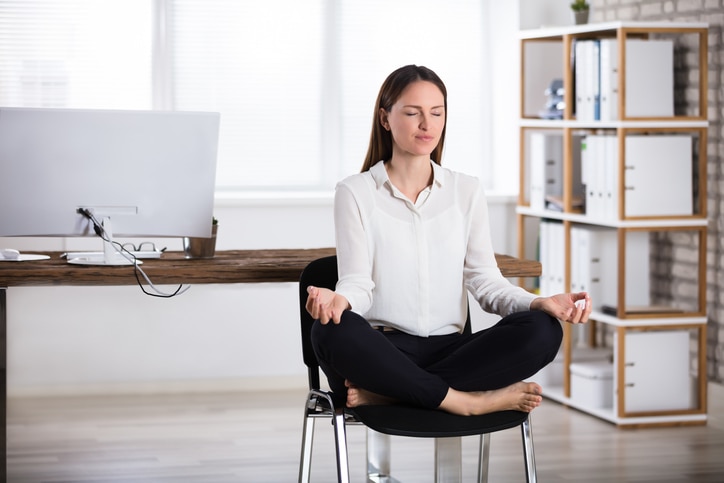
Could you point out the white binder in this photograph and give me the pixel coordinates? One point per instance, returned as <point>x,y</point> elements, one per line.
<point>649,78</point>
<point>594,265</point>
<point>552,257</point>
<point>599,164</point>
<point>546,167</point>
<point>609,79</point>
<point>658,175</point>
<point>587,61</point>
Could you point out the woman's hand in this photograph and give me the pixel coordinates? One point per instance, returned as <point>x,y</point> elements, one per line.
<point>325,304</point>
<point>568,307</point>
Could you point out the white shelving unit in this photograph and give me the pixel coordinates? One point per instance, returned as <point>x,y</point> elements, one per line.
<point>632,349</point>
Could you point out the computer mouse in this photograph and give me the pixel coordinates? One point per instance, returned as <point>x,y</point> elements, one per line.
<point>9,254</point>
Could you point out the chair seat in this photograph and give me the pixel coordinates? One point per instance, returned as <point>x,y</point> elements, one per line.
<point>402,420</point>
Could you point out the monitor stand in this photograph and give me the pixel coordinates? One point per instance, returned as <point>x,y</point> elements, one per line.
<point>109,256</point>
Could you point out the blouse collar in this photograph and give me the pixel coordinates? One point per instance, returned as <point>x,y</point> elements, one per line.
<point>379,174</point>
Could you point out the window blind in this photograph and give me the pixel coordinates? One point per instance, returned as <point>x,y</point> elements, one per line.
<point>75,53</point>
<point>259,64</point>
<point>378,36</point>
<point>295,82</point>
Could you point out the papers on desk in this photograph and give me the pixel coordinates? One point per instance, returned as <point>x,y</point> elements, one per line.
<point>26,257</point>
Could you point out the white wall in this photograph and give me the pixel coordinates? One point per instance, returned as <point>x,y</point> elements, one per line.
<point>544,13</point>
<point>504,93</point>
<point>75,340</point>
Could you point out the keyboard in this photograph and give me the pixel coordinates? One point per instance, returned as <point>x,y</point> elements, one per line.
<point>139,254</point>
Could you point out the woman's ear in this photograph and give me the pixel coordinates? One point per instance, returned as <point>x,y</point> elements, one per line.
<point>383,118</point>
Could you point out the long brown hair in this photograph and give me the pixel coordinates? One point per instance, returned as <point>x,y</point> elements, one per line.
<point>380,147</point>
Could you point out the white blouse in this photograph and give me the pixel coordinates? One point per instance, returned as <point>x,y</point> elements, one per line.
<point>407,265</point>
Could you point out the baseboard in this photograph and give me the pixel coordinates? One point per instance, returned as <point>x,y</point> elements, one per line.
<point>162,387</point>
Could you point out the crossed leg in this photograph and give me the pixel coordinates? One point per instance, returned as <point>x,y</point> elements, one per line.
<point>521,396</point>
<point>443,376</point>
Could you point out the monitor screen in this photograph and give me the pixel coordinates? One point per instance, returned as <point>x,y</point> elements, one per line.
<point>151,172</point>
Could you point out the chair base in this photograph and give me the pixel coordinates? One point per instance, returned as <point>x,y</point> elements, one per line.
<point>448,459</point>
<point>381,479</point>
<point>448,450</point>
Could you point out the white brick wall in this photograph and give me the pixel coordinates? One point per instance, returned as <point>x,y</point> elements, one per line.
<point>712,12</point>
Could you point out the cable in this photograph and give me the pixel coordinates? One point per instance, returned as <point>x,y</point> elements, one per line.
<point>125,253</point>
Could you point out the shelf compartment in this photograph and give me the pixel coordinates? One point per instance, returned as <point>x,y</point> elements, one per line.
<point>630,273</point>
<point>659,380</point>
<point>545,54</point>
<point>607,175</point>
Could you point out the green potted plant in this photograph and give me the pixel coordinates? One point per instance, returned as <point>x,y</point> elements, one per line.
<point>196,247</point>
<point>580,9</point>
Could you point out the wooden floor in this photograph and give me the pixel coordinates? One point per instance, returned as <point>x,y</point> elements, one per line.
<point>255,437</point>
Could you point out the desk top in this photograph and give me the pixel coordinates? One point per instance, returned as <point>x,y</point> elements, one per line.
<point>228,266</point>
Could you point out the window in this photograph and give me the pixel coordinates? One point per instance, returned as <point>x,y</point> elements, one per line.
<point>260,65</point>
<point>295,82</point>
<point>377,36</point>
<point>75,53</point>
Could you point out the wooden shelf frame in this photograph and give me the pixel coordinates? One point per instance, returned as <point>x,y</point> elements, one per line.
<point>693,321</point>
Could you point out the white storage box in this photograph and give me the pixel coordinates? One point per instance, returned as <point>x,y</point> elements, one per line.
<point>592,383</point>
<point>552,374</point>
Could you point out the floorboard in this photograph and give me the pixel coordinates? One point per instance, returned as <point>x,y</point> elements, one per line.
<point>256,436</point>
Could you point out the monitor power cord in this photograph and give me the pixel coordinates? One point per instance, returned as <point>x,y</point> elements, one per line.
<point>125,253</point>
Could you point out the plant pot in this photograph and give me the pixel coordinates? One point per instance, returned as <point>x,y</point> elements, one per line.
<point>196,247</point>
<point>580,17</point>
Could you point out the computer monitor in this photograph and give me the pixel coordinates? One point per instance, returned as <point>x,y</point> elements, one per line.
<point>152,173</point>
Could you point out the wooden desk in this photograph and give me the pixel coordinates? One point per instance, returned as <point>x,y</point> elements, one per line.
<point>234,266</point>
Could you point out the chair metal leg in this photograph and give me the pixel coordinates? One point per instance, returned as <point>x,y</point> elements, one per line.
<point>340,441</point>
<point>448,460</point>
<point>528,453</point>
<point>378,456</point>
<point>340,436</point>
<point>484,458</point>
<point>305,462</point>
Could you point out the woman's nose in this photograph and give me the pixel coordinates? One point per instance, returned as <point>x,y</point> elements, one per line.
<point>423,122</point>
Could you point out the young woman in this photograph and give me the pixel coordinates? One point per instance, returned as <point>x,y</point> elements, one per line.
<point>412,239</point>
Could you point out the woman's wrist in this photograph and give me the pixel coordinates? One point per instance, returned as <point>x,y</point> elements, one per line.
<point>536,303</point>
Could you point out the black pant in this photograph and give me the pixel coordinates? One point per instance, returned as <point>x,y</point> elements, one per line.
<point>419,370</point>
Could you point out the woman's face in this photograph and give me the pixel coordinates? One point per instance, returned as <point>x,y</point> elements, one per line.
<point>416,120</point>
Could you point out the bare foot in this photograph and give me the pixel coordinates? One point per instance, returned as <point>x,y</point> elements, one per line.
<point>356,396</point>
<point>521,396</point>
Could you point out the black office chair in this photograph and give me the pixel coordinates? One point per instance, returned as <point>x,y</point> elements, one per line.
<point>393,420</point>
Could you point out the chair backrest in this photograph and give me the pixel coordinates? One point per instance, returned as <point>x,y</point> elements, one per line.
<point>322,272</point>
<point>319,273</point>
